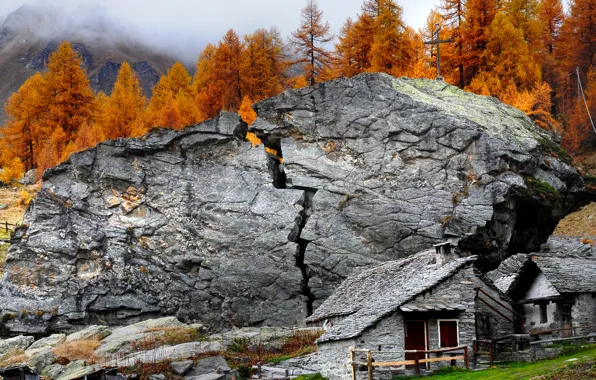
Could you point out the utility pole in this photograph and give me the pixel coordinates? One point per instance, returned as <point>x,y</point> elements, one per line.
<point>438,42</point>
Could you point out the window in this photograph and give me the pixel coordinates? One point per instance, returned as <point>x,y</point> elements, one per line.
<point>543,315</point>
<point>448,333</point>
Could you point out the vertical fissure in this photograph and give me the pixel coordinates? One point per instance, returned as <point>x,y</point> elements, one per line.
<point>278,175</point>
<point>307,209</point>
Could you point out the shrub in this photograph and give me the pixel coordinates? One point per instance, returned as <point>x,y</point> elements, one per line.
<point>24,199</point>
<point>83,349</point>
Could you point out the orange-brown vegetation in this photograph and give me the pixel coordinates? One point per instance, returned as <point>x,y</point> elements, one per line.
<point>521,51</point>
<point>83,349</point>
<point>579,223</point>
<point>14,357</point>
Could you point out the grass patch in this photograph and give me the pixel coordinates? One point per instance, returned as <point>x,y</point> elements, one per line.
<point>169,336</point>
<point>541,188</point>
<point>144,371</point>
<point>83,349</point>
<point>14,357</point>
<point>550,148</point>
<point>3,254</point>
<point>583,368</point>
<point>316,376</point>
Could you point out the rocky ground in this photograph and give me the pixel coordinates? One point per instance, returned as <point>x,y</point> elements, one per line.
<point>202,225</point>
<point>165,347</point>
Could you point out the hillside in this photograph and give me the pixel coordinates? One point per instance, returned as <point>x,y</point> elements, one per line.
<point>30,34</point>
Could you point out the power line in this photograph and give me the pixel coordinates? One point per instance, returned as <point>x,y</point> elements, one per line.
<point>581,89</point>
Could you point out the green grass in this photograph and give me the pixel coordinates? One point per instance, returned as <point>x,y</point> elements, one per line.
<point>3,254</point>
<point>541,188</point>
<point>559,368</point>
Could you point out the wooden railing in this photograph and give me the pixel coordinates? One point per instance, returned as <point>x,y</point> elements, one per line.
<point>420,358</point>
<point>519,323</point>
<point>7,227</point>
<point>536,334</point>
<point>489,350</point>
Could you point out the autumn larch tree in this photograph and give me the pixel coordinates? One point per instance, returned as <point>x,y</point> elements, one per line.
<point>390,52</point>
<point>310,40</point>
<point>228,60</point>
<point>453,15</point>
<point>207,90</point>
<point>125,106</point>
<point>25,133</point>
<point>174,87</point>
<point>263,65</point>
<point>508,60</point>
<point>354,45</point>
<point>70,95</point>
<point>479,16</point>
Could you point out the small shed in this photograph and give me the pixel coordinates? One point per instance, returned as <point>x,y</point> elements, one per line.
<point>18,373</point>
<point>557,294</point>
<point>433,300</point>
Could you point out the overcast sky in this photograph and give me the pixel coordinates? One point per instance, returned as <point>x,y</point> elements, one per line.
<point>200,21</point>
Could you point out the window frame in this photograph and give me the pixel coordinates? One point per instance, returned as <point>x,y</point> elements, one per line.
<point>543,312</point>
<point>439,330</point>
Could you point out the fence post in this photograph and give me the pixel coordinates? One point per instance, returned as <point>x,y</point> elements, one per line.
<point>369,365</point>
<point>491,350</point>
<point>352,363</point>
<point>467,358</point>
<point>417,364</point>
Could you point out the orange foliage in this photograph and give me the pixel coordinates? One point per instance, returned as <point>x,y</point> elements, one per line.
<point>247,113</point>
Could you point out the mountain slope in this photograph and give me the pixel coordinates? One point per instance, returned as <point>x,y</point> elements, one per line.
<point>30,34</point>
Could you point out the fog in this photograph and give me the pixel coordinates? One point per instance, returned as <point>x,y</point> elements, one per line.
<point>184,27</point>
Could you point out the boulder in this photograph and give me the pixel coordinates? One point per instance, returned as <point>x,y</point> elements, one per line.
<point>44,344</point>
<point>181,368</point>
<point>53,371</point>
<point>200,224</point>
<point>207,365</point>
<point>41,358</point>
<point>17,343</point>
<point>3,206</point>
<point>90,332</point>
<point>28,178</point>
<point>122,339</point>
<point>165,353</point>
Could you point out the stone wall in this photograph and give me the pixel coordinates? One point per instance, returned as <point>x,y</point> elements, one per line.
<point>532,313</point>
<point>583,313</point>
<point>332,359</point>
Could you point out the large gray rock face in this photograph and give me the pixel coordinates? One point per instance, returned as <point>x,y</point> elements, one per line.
<point>201,225</point>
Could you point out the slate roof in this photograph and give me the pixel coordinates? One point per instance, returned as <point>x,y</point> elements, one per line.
<point>506,275</point>
<point>368,296</point>
<point>569,274</point>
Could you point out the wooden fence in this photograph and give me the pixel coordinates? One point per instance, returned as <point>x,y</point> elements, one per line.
<point>420,358</point>
<point>8,228</point>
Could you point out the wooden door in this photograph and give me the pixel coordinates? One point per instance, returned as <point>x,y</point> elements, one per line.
<point>415,338</point>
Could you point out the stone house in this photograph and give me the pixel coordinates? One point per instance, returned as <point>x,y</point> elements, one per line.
<point>556,294</point>
<point>434,299</point>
